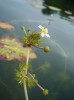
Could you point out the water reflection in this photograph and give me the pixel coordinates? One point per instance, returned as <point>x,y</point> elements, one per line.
<point>66,6</point>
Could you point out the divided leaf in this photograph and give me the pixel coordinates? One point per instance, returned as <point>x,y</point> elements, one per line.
<point>31,83</point>
<point>33,39</point>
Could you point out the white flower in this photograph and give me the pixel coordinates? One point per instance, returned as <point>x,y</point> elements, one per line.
<point>44,31</point>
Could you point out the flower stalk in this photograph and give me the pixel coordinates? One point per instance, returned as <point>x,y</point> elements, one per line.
<point>24,81</point>
<point>37,84</point>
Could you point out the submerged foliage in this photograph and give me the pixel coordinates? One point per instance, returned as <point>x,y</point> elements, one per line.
<point>33,39</point>
<point>21,75</point>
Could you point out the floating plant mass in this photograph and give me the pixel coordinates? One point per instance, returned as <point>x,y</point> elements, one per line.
<point>6,25</point>
<point>12,49</point>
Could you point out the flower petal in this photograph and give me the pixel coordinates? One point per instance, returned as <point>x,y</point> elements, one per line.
<point>48,35</point>
<point>42,34</point>
<point>40,26</point>
<point>46,30</point>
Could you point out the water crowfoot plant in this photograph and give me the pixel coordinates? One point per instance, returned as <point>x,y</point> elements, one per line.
<point>23,75</point>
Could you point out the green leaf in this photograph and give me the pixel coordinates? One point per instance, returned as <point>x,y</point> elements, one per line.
<point>23,66</point>
<point>19,77</point>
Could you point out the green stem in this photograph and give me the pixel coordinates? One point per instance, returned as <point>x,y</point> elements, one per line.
<point>38,47</point>
<point>39,86</point>
<point>27,60</point>
<point>24,81</point>
<point>25,89</point>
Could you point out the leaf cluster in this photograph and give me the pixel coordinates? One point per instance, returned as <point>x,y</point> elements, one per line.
<point>31,83</point>
<point>33,39</point>
<point>21,73</point>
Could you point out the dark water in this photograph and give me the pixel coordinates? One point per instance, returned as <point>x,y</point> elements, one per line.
<point>55,70</point>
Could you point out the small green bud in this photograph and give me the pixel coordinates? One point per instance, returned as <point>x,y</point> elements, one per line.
<point>46,49</point>
<point>23,28</point>
<point>45,92</point>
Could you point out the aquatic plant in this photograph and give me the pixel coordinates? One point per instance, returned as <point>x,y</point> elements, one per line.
<point>13,49</point>
<point>23,75</point>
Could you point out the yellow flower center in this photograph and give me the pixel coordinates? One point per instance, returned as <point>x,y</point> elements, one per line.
<point>44,30</point>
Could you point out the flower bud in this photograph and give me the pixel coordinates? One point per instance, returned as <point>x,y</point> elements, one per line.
<point>22,27</point>
<point>45,92</point>
<point>46,49</point>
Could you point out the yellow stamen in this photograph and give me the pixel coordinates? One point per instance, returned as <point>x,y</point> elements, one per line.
<point>44,30</point>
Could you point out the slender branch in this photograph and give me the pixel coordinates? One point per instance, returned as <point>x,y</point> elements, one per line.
<point>38,47</point>
<point>36,82</point>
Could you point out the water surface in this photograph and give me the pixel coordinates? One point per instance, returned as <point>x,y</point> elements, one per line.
<point>54,70</point>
